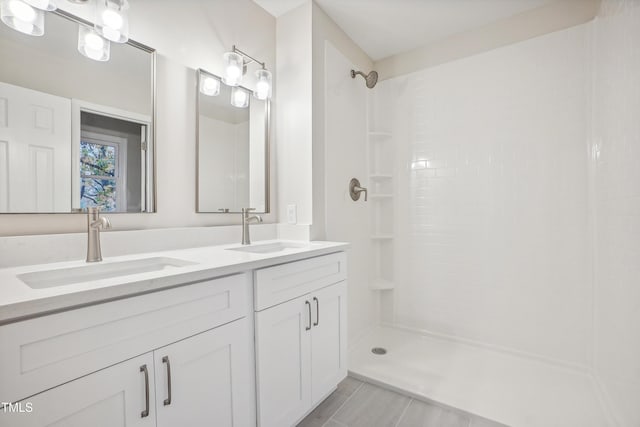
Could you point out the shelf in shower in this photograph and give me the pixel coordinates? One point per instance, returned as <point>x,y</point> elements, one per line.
<point>382,236</point>
<point>382,285</point>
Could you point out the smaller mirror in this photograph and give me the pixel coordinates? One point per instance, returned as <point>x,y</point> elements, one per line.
<point>233,148</point>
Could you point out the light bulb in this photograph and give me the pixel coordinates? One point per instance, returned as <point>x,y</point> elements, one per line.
<point>112,19</point>
<point>93,41</point>
<point>239,97</point>
<point>22,17</point>
<point>233,70</point>
<point>91,45</point>
<point>22,11</point>
<point>209,86</point>
<point>263,84</point>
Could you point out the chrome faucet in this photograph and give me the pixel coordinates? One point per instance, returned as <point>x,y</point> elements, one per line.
<point>246,220</point>
<point>95,222</point>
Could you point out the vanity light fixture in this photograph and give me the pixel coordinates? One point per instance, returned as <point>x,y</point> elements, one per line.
<point>22,17</point>
<point>92,45</point>
<point>239,97</point>
<point>263,84</point>
<point>112,20</point>
<point>209,85</point>
<point>47,5</point>
<point>235,66</point>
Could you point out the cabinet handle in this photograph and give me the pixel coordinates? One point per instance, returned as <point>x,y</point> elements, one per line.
<point>308,305</point>
<point>167,401</point>
<point>317,322</point>
<point>145,413</point>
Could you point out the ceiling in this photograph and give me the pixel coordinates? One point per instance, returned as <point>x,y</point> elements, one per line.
<point>384,28</point>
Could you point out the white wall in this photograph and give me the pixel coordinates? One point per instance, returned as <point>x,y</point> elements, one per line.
<point>492,234</point>
<point>200,32</point>
<point>345,113</point>
<point>293,112</point>
<point>616,152</point>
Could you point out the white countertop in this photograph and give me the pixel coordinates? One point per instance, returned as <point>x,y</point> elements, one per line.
<point>19,301</point>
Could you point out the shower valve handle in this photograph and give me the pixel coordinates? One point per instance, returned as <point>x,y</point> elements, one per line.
<point>355,189</point>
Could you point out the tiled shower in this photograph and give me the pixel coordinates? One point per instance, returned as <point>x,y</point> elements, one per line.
<point>503,226</point>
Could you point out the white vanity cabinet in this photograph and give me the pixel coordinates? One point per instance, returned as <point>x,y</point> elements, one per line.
<point>204,380</point>
<point>261,347</point>
<point>110,364</point>
<point>112,397</point>
<point>300,336</point>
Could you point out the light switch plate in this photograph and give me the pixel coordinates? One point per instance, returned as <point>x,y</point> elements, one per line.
<point>292,214</point>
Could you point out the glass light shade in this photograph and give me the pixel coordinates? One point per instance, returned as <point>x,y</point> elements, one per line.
<point>112,20</point>
<point>22,17</point>
<point>47,5</point>
<point>233,69</point>
<point>92,45</point>
<point>209,85</point>
<point>239,97</point>
<point>263,84</point>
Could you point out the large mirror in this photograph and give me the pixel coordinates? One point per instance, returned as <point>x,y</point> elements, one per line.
<point>233,148</point>
<point>74,132</point>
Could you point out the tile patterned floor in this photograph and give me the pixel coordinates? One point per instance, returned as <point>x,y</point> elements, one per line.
<point>358,404</point>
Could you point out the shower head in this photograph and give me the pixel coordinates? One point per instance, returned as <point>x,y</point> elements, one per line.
<point>371,78</point>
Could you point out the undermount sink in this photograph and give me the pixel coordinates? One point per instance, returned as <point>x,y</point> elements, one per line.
<point>88,273</point>
<point>266,248</point>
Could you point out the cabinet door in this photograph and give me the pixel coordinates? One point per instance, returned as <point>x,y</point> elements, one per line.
<point>205,380</point>
<point>328,340</point>
<point>112,397</point>
<point>282,361</point>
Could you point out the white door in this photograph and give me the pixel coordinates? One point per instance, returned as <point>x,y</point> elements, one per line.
<point>328,340</point>
<point>282,362</point>
<point>112,397</point>
<point>35,151</point>
<point>205,380</point>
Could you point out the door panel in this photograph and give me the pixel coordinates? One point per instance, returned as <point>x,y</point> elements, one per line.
<point>328,340</point>
<point>210,379</point>
<point>282,360</point>
<point>36,129</point>
<point>112,397</point>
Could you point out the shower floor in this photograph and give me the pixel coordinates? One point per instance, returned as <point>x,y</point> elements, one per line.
<point>511,389</point>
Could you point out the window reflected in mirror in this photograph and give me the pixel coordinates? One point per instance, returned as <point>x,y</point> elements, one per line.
<point>74,132</point>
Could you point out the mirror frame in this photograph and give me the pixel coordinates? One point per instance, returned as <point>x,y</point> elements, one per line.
<point>151,178</point>
<point>267,148</point>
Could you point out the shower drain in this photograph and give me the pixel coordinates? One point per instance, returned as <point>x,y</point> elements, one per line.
<point>379,351</point>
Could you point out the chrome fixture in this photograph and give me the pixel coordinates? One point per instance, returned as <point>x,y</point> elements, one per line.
<point>95,222</point>
<point>246,220</point>
<point>235,66</point>
<point>371,79</point>
<point>355,189</point>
